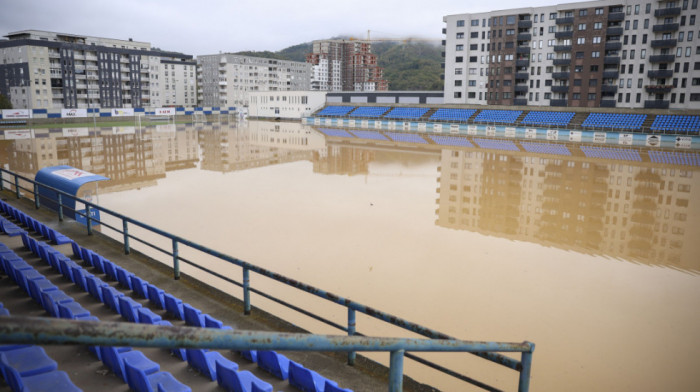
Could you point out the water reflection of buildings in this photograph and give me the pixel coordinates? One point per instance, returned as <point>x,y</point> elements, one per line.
<point>620,209</point>
<point>260,143</point>
<point>129,158</point>
<point>342,160</point>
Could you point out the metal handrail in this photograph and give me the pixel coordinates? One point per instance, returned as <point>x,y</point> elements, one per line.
<point>522,366</point>
<point>42,330</point>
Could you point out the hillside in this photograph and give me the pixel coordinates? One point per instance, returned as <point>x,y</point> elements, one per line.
<point>407,65</point>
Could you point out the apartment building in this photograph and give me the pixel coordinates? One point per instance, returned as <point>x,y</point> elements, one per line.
<point>345,65</point>
<point>628,54</point>
<point>227,79</point>
<point>41,70</point>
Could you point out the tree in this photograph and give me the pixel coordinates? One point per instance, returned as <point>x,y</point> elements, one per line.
<point>5,103</point>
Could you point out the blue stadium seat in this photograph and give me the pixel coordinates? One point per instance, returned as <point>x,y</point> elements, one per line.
<point>334,388</point>
<point>72,310</point>
<point>123,277</point>
<point>274,363</point>
<point>242,381</point>
<point>141,381</point>
<point>498,116</point>
<point>110,297</point>
<point>369,111</point>
<point>205,361</point>
<point>128,308</point>
<point>306,379</point>
<point>335,132</point>
<point>50,381</point>
<point>615,121</point>
<point>173,305</point>
<point>335,111</point>
<point>114,357</point>
<point>193,316</point>
<point>155,295</point>
<point>139,286</point>
<point>28,361</point>
<point>51,299</point>
<point>94,287</point>
<point>548,118</point>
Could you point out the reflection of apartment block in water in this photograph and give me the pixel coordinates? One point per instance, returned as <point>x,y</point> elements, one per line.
<point>27,156</point>
<point>261,144</point>
<point>342,160</point>
<point>621,210</point>
<point>177,148</point>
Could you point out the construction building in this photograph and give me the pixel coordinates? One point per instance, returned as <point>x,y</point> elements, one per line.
<point>42,70</point>
<point>345,65</point>
<point>631,54</point>
<point>227,79</point>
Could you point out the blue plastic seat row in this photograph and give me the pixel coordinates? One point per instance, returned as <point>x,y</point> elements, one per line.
<point>451,141</point>
<point>620,154</point>
<point>461,115</point>
<point>495,144</point>
<point>546,148</point>
<point>675,158</point>
<point>335,132</point>
<point>337,111</point>
<point>614,120</point>
<point>58,304</point>
<point>33,224</point>
<point>372,135</point>
<point>408,113</point>
<point>548,118</point>
<point>498,116</point>
<point>406,137</point>
<point>29,368</point>
<point>684,124</point>
<point>369,111</point>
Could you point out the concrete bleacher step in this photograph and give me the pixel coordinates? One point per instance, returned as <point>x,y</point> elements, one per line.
<point>427,114</point>
<point>578,119</point>
<point>646,125</point>
<point>521,116</point>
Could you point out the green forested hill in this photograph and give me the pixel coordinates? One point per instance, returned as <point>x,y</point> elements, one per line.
<point>407,65</point>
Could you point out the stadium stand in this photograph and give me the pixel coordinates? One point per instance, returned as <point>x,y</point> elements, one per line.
<point>335,111</point>
<point>682,124</point>
<point>406,113</point>
<point>615,121</point>
<point>369,111</point>
<point>498,116</point>
<point>548,118</point>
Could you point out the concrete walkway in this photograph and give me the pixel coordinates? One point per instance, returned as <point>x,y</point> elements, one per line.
<point>90,374</point>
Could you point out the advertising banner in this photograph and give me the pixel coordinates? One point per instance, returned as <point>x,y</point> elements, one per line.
<point>574,136</point>
<point>73,113</point>
<point>75,132</point>
<point>626,139</point>
<point>599,137</point>
<point>165,111</point>
<point>510,132</point>
<point>530,133</point>
<point>16,134</point>
<point>123,112</point>
<point>12,114</point>
<point>653,141</point>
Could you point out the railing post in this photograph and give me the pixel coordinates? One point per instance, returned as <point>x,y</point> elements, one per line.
<point>126,236</point>
<point>396,371</point>
<point>89,221</point>
<point>17,186</point>
<point>2,180</point>
<point>37,204</point>
<point>526,362</point>
<point>246,291</point>
<point>60,208</point>
<point>351,332</point>
<point>176,261</point>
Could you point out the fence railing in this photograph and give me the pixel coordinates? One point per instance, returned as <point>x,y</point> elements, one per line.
<point>523,366</point>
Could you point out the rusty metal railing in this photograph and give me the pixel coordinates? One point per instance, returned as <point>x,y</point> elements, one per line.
<point>523,366</point>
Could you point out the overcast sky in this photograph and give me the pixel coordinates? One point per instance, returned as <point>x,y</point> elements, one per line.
<point>199,27</point>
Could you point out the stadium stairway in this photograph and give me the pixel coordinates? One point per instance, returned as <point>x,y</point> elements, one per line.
<point>646,125</point>
<point>578,119</point>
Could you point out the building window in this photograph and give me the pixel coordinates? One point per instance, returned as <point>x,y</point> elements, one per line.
<point>460,35</point>
<point>458,71</point>
<point>475,22</point>
<point>582,26</point>
<point>596,40</point>
<point>597,25</point>
<point>581,40</point>
<point>582,12</point>
<point>460,23</point>
<point>459,59</point>
<point>459,47</point>
<point>458,94</point>
<point>599,11</point>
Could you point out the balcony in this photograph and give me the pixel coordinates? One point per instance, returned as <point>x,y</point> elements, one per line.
<point>562,61</point>
<point>665,28</point>
<point>522,50</point>
<point>607,103</point>
<point>562,48</point>
<point>613,45</point>
<point>524,36</point>
<point>611,74</point>
<point>658,88</point>
<point>608,88</point>
<point>522,75</point>
<point>674,11</point>
<point>611,60</point>
<point>557,102</point>
<point>520,88</point>
<point>663,43</point>
<point>520,102</point>
<point>616,16</point>
<point>660,73</point>
<point>662,58</point>
<point>565,20</point>
<point>560,89</point>
<point>656,104</point>
<point>524,24</point>
<point>522,63</point>
<point>563,34</point>
<point>560,75</point>
<point>614,31</point>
